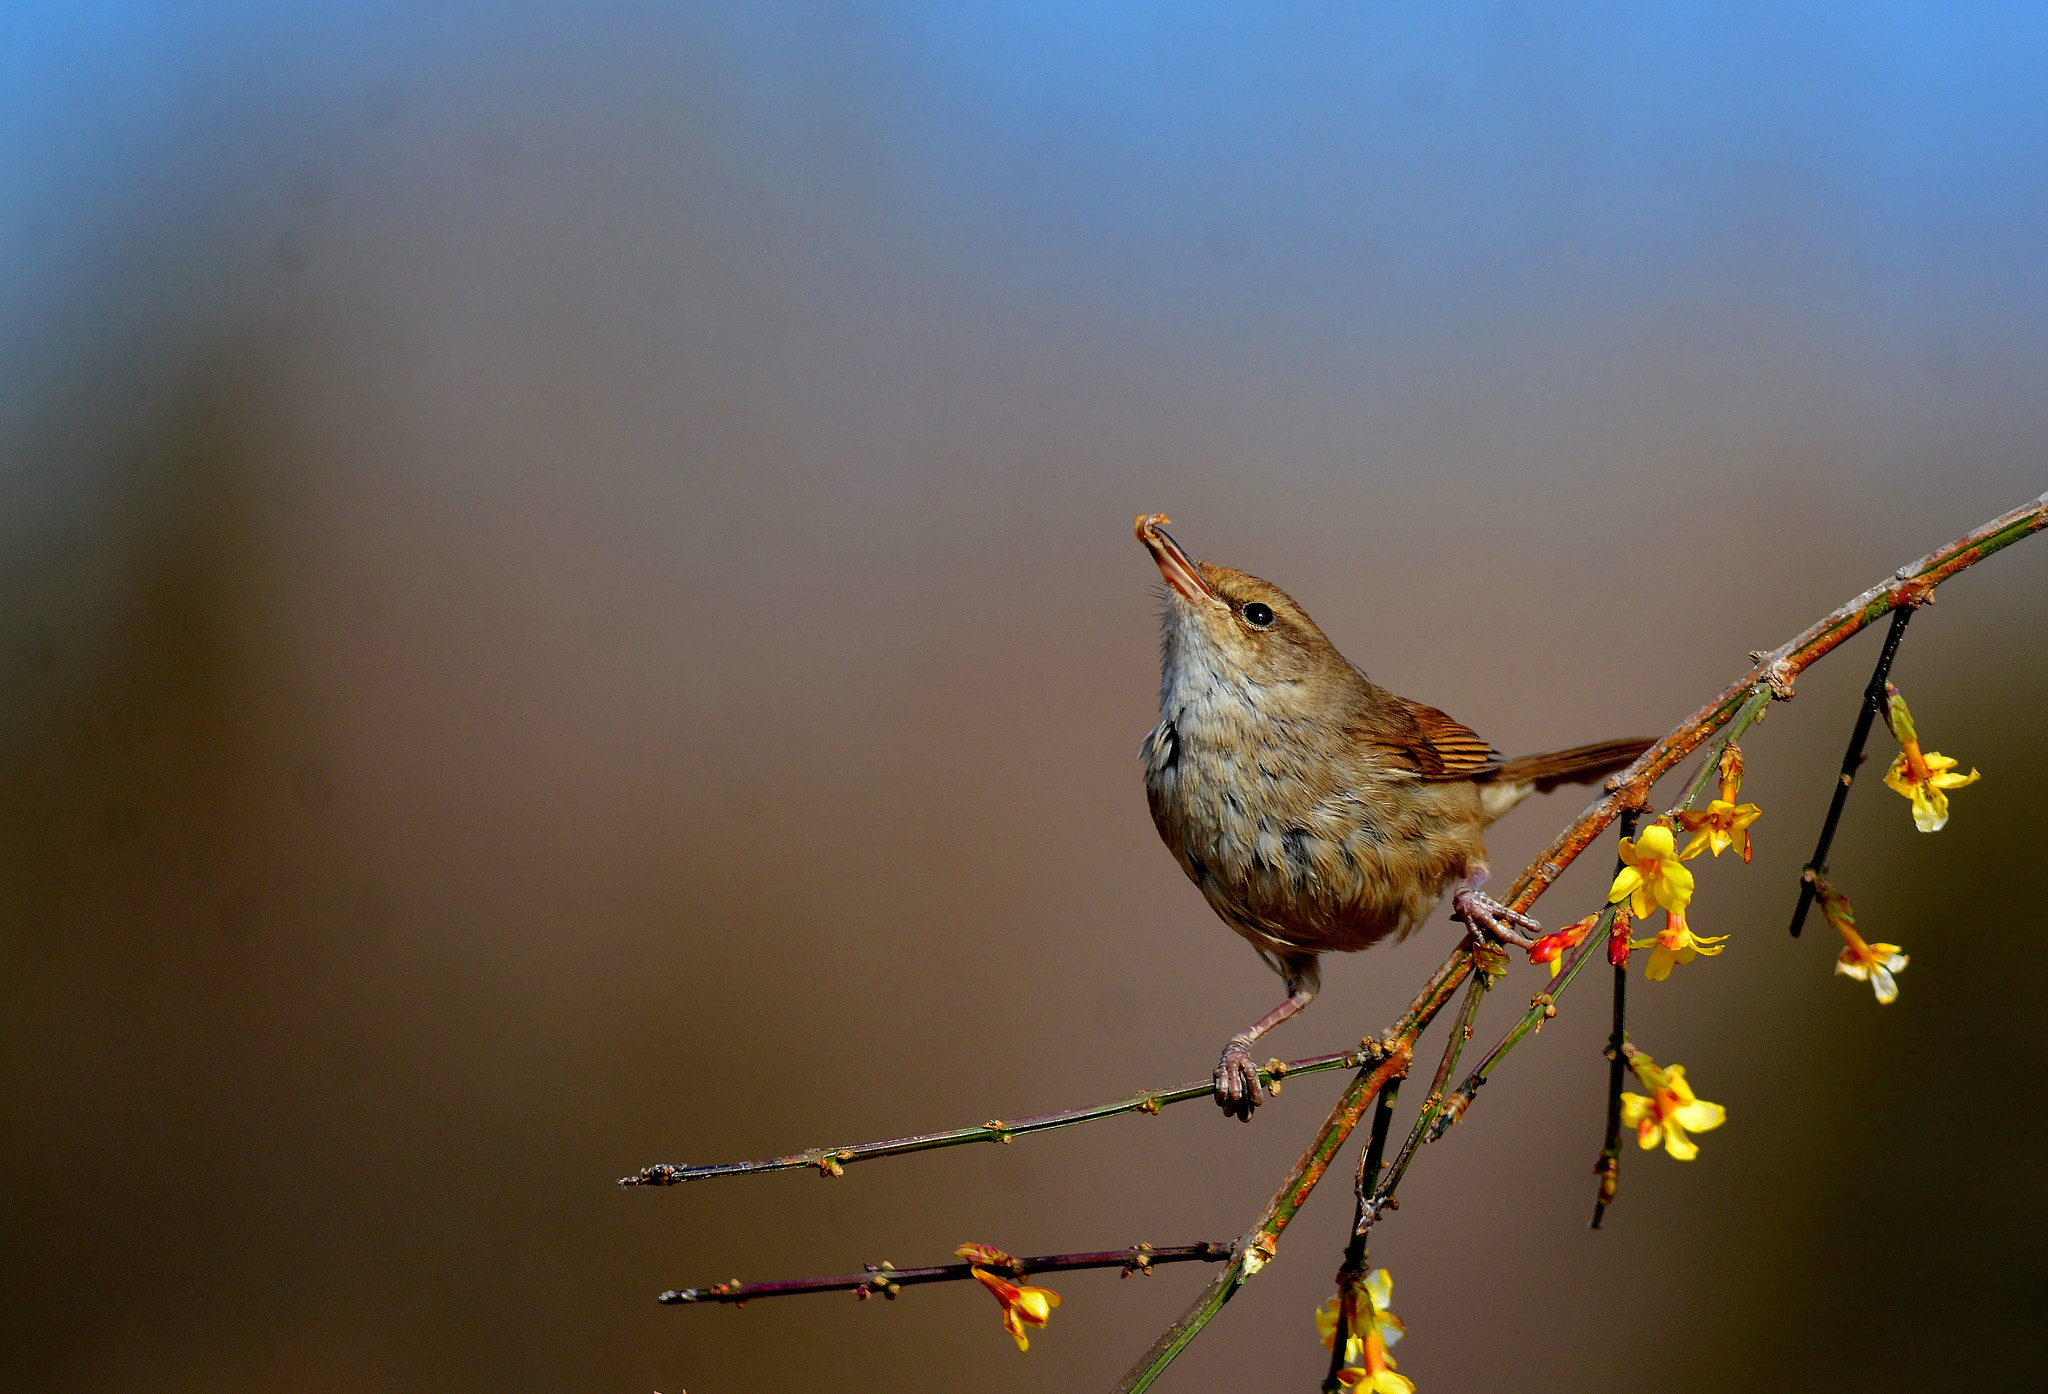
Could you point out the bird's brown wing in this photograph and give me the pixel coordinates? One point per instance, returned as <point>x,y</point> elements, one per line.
<point>1426,741</point>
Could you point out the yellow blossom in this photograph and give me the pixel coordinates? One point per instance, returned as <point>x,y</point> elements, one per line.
<point>1670,1110</point>
<point>1871,963</point>
<point>1925,779</point>
<point>1650,877</point>
<point>1021,1305</point>
<point>1725,822</point>
<point>1676,944</point>
<point>1326,1328</point>
<point>1365,1351</point>
<point>1380,1381</point>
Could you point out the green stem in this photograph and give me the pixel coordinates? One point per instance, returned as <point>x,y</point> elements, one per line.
<point>1746,715</point>
<point>1382,1197</point>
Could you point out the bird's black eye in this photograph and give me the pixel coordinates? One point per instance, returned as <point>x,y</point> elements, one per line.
<point>1258,616</point>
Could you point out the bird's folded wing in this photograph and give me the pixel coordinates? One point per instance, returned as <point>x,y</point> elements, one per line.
<point>1424,740</point>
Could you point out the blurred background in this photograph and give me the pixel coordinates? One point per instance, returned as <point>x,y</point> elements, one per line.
<point>567,601</point>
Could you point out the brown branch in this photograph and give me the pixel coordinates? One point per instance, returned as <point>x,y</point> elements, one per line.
<point>885,1279</point>
<point>1257,1247</point>
<point>1910,585</point>
<point>830,1161</point>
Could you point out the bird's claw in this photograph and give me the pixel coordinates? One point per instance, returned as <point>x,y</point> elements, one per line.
<point>1488,918</point>
<point>1237,1082</point>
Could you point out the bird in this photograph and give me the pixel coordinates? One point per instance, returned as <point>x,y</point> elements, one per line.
<point>1316,811</point>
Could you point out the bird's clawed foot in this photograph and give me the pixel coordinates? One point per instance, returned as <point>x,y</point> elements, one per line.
<point>1488,918</point>
<point>1237,1082</point>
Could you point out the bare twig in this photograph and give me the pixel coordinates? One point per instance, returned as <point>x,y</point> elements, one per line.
<point>1873,702</point>
<point>885,1279</point>
<point>1352,1271</point>
<point>830,1161</point>
<point>1381,1198</point>
<point>1608,1166</point>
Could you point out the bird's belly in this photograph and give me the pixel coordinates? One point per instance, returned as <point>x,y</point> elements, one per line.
<point>1290,868</point>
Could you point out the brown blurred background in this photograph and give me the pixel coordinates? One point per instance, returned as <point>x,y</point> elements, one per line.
<point>567,601</point>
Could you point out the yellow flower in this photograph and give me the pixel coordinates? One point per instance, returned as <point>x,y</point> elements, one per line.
<point>1650,877</point>
<point>1866,963</point>
<point>1676,944</point>
<point>1326,1329</point>
<point>1380,1381</point>
<point>1725,822</point>
<point>1372,1369</point>
<point>1669,1111</point>
<point>1925,779</point>
<point>1021,1305</point>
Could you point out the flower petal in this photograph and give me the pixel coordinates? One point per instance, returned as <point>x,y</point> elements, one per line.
<point>1625,883</point>
<point>1674,886</point>
<point>1699,1116</point>
<point>1930,808</point>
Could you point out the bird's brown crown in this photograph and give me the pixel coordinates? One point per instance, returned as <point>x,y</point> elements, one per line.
<point>1258,628</point>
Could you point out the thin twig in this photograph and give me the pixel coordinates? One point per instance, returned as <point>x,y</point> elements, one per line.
<point>1873,702</point>
<point>885,1279</point>
<point>1382,1198</point>
<point>1352,1271</point>
<point>1608,1166</point>
<point>830,1161</point>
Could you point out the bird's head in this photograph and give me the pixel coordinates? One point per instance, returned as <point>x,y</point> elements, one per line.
<point>1241,629</point>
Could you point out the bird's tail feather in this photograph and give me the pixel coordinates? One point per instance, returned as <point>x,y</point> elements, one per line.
<point>1580,765</point>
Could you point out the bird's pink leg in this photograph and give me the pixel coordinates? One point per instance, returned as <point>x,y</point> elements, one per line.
<point>1485,916</point>
<point>1237,1078</point>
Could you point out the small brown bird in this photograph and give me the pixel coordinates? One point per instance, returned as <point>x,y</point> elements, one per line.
<point>1317,811</point>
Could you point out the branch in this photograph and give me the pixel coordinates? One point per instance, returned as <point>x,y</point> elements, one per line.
<point>885,1279</point>
<point>1873,702</point>
<point>1911,585</point>
<point>1543,1005</point>
<point>1257,1247</point>
<point>830,1161</point>
<point>1381,1198</point>
<point>1607,1166</point>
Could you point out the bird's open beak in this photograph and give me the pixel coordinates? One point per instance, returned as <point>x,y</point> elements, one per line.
<point>1175,565</point>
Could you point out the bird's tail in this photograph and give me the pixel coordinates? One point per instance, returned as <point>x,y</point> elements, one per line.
<point>1501,789</point>
<point>1580,765</point>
